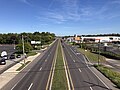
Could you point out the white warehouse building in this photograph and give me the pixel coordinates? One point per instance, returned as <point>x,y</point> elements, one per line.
<point>101,39</point>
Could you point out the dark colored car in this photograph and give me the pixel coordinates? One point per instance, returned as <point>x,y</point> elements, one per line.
<point>12,56</point>
<point>18,56</point>
<point>2,61</point>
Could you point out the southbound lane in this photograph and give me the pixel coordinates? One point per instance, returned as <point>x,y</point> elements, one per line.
<point>35,78</point>
<point>82,76</point>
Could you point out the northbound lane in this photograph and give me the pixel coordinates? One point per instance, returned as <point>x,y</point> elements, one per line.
<point>83,77</point>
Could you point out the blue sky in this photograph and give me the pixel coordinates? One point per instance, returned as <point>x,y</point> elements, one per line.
<point>62,17</point>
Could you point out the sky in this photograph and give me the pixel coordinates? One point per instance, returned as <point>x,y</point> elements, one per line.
<point>62,17</point>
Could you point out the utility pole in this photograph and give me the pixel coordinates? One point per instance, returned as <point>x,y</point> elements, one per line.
<point>14,44</point>
<point>23,48</point>
<point>40,43</point>
<point>99,52</point>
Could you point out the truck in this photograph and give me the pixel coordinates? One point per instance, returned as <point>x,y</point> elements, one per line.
<point>4,55</point>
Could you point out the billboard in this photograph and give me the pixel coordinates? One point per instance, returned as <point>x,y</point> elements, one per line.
<point>35,42</point>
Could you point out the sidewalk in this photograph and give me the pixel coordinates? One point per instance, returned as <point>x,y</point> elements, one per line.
<point>9,63</point>
<point>113,63</point>
<point>6,76</point>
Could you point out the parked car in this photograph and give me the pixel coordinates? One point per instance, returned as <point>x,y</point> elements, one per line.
<point>12,56</point>
<point>5,57</point>
<point>18,56</point>
<point>2,61</point>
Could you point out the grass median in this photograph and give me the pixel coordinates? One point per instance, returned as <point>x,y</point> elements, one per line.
<point>59,78</point>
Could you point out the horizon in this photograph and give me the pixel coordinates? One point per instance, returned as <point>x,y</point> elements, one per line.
<point>62,17</point>
<point>104,34</point>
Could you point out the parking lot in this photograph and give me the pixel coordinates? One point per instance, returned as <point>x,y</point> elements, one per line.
<point>8,48</point>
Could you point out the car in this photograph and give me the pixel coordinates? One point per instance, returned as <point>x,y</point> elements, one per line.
<point>18,56</point>
<point>2,61</point>
<point>12,56</point>
<point>5,57</point>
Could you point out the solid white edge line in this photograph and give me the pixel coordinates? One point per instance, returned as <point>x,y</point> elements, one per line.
<point>96,74</point>
<point>93,72</point>
<point>30,86</point>
<point>99,78</point>
<point>20,80</point>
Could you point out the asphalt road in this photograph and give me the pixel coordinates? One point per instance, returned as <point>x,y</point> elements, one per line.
<point>83,78</point>
<point>35,76</point>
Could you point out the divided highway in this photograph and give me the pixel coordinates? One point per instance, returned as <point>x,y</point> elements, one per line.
<point>37,75</point>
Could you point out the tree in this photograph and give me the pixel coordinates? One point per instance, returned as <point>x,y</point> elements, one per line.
<point>27,46</point>
<point>14,38</point>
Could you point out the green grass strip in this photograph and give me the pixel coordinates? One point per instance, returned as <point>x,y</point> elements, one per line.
<point>31,54</point>
<point>114,76</point>
<point>23,65</point>
<point>91,56</point>
<point>59,78</point>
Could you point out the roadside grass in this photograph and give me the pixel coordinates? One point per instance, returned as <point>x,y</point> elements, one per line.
<point>92,56</point>
<point>59,78</point>
<point>114,76</point>
<point>31,53</point>
<point>23,65</point>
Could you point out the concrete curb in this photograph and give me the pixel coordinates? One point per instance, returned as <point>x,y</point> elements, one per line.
<point>10,65</point>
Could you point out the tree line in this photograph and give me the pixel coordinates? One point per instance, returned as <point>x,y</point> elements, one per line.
<point>15,38</point>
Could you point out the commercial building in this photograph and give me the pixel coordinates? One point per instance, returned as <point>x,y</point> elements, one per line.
<point>101,39</point>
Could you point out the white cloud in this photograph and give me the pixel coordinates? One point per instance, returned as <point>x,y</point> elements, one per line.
<point>26,2</point>
<point>73,10</point>
<point>116,2</point>
<point>109,11</point>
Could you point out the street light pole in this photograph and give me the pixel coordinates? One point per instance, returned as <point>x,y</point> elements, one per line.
<point>99,52</point>
<point>40,43</point>
<point>23,48</point>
